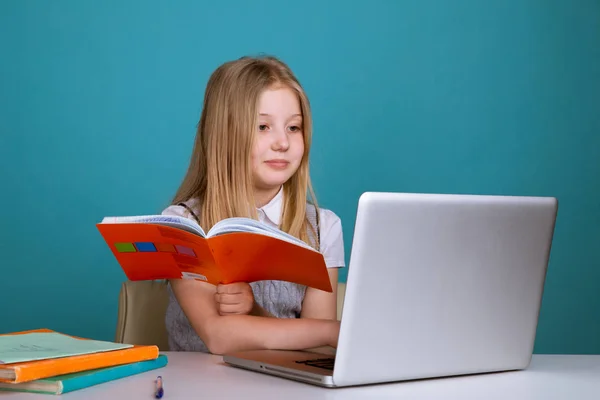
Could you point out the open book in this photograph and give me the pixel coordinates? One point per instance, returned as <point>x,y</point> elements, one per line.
<point>234,250</point>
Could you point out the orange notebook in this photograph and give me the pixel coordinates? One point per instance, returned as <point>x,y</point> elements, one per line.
<point>234,250</point>
<point>31,370</point>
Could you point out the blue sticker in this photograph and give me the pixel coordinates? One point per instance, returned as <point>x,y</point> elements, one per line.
<point>145,246</point>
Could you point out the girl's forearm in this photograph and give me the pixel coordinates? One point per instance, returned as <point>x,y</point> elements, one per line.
<point>227,334</point>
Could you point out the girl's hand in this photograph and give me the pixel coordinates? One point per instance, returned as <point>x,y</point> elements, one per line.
<point>234,298</point>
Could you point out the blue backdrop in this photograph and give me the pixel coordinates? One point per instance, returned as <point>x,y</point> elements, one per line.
<point>99,103</point>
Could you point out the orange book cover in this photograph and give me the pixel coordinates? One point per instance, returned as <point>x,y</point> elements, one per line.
<point>234,250</point>
<point>38,369</point>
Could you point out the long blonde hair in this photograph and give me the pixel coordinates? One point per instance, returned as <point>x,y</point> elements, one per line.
<point>219,176</point>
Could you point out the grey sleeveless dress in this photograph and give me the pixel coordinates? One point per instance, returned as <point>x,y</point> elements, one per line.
<point>281,299</point>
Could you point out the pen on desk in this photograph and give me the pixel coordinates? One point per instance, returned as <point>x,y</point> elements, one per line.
<point>159,388</point>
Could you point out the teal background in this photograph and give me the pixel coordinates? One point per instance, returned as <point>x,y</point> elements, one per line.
<point>99,103</point>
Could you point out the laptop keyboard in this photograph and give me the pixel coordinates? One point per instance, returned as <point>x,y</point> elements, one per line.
<point>325,363</point>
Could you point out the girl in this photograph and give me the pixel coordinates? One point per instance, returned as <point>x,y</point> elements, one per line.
<point>250,159</point>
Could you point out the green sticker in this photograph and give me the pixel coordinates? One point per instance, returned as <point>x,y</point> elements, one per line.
<point>125,247</point>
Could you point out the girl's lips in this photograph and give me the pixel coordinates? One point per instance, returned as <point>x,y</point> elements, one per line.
<point>277,164</point>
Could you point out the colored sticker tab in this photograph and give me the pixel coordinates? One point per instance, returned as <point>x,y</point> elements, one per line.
<point>125,247</point>
<point>145,246</point>
<point>165,247</point>
<point>185,250</point>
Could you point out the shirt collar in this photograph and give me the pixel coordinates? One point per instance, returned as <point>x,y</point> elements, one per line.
<point>273,208</point>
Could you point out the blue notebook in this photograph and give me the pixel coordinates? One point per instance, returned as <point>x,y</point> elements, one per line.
<point>67,383</point>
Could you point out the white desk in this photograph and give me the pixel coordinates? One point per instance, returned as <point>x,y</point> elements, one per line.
<point>202,376</point>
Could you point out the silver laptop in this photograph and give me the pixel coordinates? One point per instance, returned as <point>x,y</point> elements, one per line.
<point>438,285</point>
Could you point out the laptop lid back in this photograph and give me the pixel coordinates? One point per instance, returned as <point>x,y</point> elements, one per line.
<point>442,285</point>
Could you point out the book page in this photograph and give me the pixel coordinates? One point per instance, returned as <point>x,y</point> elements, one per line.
<point>44,345</point>
<point>167,220</point>
<point>249,225</point>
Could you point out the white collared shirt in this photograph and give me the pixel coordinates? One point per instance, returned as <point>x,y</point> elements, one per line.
<point>330,227</point>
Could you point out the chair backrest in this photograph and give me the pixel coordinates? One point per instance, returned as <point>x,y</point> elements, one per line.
<point>142,307</point>
<point>141,314</point>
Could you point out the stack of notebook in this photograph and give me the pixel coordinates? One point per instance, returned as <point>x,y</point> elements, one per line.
<point>45,361</point>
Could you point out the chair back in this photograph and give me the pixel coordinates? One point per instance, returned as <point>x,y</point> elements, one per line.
<point>141,313</point>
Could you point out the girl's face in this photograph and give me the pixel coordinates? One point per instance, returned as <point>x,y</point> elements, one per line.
<point>279,142</point>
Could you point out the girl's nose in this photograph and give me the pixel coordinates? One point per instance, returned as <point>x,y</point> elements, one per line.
<point>280,140</point>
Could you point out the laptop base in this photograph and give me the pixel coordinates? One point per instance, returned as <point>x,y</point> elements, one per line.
<point>286,364</point>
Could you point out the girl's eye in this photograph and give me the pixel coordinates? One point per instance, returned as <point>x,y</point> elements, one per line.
<point>295,128</point>
<point>263,127</point>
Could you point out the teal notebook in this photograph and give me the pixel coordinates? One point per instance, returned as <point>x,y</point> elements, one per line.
<point>67,383</point>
